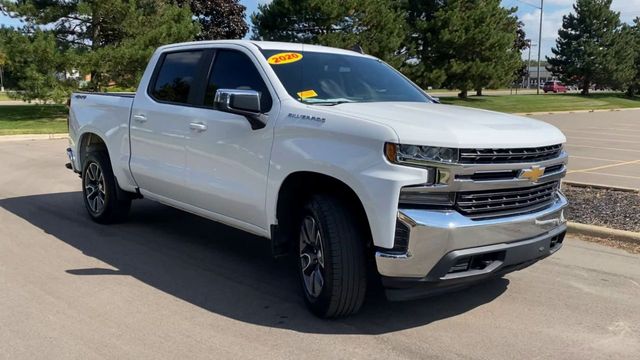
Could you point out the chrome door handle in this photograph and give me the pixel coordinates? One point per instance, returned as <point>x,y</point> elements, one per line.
<point>140,118</point>
<point>197,126</point>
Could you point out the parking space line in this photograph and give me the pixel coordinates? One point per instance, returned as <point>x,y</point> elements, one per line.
<point>597,128</point>
<point>596,139</point>
<point>592,158</point>
<point>603,167</point>
<point>606,134</point>
<point>614,175</point>
<point>602,148</point>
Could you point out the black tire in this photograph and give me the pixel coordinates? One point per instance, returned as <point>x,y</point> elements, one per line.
<point>115,206</point>
<point>342,254</point>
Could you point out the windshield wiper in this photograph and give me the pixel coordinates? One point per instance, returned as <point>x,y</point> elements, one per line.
<point>327,102</point>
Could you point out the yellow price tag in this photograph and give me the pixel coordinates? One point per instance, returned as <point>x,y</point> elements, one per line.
<point>307,94</point>
<point>284,58</point>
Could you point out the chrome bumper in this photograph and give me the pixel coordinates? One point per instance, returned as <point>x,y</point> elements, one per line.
<point>435,234</point>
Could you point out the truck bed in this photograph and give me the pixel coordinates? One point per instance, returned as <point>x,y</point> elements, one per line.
<point>107,115</point>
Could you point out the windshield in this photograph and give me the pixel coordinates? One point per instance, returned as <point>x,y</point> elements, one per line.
<point>330,79</point>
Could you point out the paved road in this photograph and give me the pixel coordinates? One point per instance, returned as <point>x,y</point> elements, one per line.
<point>167,284</point>
<point>604,147</point>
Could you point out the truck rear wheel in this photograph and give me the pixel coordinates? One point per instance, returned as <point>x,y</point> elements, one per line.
<point>100,190</point>
<point>331,261</point>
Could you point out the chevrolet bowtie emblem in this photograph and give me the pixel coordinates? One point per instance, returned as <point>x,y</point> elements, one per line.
<point>532,174</point>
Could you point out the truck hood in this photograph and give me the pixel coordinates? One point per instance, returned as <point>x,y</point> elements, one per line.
<point>453,126</point>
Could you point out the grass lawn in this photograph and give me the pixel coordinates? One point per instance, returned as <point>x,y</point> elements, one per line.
<point>4,96</point>
<point>546,102</point>
<point>33,119</point>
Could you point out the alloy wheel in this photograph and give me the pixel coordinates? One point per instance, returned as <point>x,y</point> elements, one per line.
<point>311,257</point>
<point>94,186</point>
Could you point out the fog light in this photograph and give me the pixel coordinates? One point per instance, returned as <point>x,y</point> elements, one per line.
<point>418,196</point>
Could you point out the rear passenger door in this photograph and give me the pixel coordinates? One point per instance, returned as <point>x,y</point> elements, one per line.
<point>227,163</point>
<point>160,122</point>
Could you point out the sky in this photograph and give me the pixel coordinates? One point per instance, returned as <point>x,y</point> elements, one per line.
<point>528,12</point>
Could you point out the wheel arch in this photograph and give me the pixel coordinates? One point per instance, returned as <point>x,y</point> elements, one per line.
<point>293,193</point>
<point>90,140</point>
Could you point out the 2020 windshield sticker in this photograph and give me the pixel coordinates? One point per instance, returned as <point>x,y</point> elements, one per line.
<point>284,58</point>
<point>307,94</point>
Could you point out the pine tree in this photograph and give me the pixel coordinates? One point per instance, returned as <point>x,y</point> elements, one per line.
<point>634,86</point>
<point>375,25</point>
<point>593,47</point>
<point>110,39</point>
<point>218,19</point>
<point>420,42</point>
<point>146,26</point>
<point>520,45</point>
<point>473,45</point>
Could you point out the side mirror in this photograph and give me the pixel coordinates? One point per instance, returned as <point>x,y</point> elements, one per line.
<point>435,99</point>
<point>241,102</point>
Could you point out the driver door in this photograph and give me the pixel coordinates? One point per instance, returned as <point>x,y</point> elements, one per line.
<point>227,161</point>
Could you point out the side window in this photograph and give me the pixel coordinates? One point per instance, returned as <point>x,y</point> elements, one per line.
<point>234,70</point>
<point>176,77</point>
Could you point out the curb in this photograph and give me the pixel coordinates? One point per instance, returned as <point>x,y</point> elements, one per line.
<point>574,111</point>
<point>599,186</point>
<point>31,137</point>
<point>603,232</point>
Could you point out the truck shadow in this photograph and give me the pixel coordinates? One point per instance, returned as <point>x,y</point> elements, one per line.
<point>221,269</point>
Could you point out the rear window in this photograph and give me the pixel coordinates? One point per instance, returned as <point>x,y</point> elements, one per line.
<point>175,79</point>
<point>549,83</point>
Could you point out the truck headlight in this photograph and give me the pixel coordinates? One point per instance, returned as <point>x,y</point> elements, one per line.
<point>419,155</point>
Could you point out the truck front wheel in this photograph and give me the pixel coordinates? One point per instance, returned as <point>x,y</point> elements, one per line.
<point>331,260</point>
<point>100,190</point>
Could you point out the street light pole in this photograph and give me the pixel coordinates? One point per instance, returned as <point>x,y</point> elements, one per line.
<point>529,66</point>
<point>539,46</point>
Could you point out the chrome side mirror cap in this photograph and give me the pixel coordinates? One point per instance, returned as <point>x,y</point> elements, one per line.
<point>241,102</point>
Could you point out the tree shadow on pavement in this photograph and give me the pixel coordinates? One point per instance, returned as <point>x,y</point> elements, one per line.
<point>220,269</point>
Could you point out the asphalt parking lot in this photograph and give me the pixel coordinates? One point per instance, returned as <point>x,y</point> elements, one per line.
<point>167,284</point>
<point>604,147</point>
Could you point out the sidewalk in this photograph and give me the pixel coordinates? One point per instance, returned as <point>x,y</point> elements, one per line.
<point>31,137</point>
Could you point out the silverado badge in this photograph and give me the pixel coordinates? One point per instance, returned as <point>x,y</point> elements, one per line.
<point>532,174</point>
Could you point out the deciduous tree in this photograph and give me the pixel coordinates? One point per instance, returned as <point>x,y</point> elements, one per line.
<point>218,19</point>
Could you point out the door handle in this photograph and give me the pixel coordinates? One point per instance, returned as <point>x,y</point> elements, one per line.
<point>198,126</point>
<point>140,118</point>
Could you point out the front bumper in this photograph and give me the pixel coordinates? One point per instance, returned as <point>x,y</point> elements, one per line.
<point>440,240</point>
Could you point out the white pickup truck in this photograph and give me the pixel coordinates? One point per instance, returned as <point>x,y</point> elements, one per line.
<point>332,155</point>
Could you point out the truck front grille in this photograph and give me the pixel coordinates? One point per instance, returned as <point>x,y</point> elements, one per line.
<point>507,202</point>
<point>503,156</point>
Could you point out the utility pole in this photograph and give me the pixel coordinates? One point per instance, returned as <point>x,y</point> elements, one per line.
<point>539,46</point>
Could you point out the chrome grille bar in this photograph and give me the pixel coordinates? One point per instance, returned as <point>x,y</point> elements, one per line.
<point>506,202</point>
<point>484,156</point>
